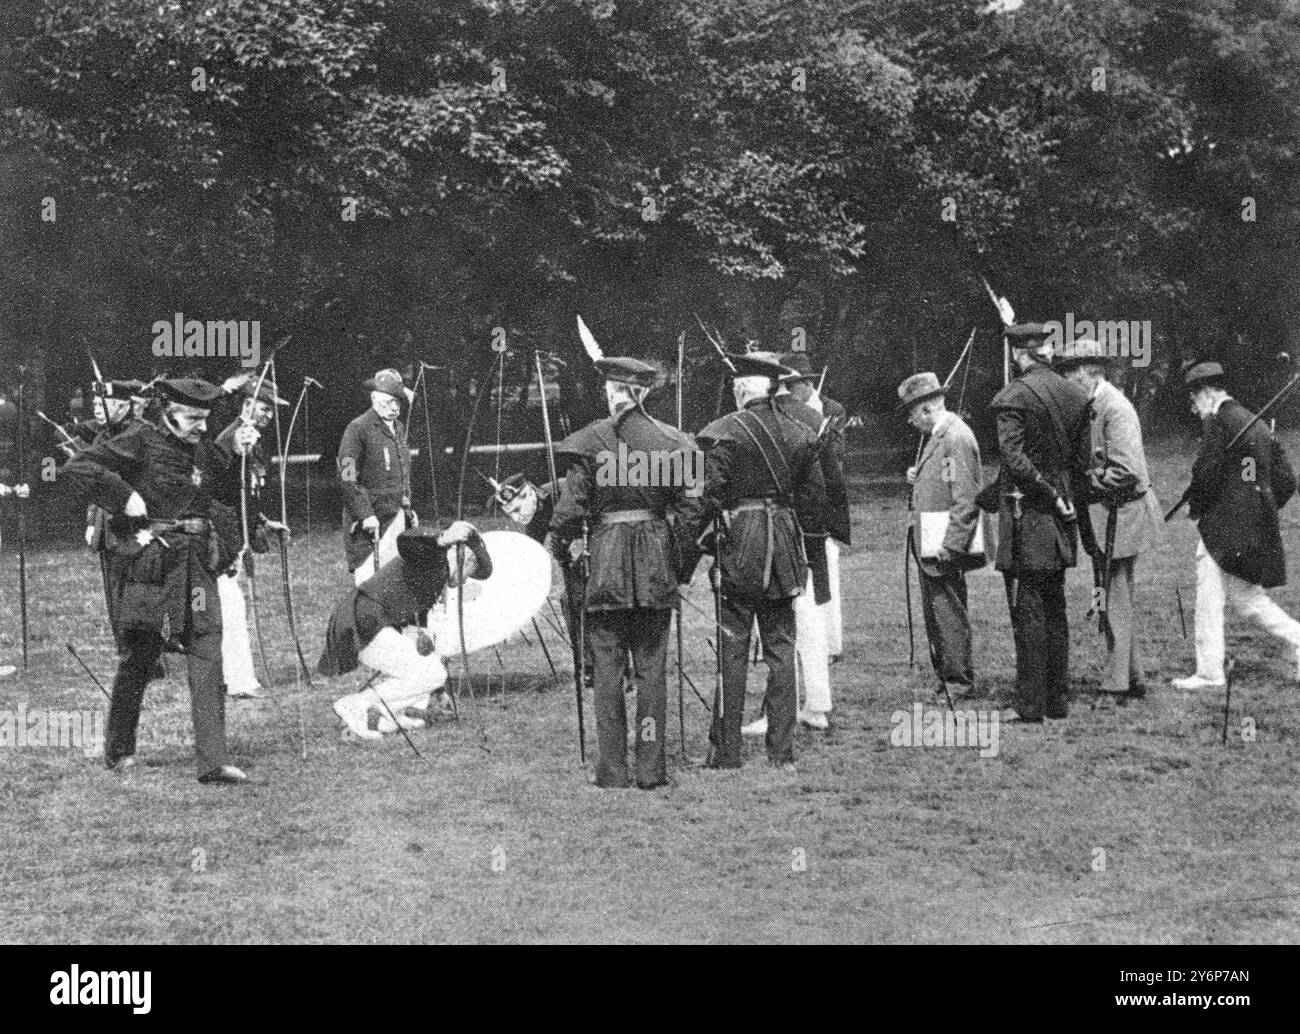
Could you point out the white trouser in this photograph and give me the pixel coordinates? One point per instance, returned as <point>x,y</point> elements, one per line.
<point>1214,586</point>
<point>407,678</point>
<point>810,645</point>
<point>236,649</point>
<point>387,548</point>
<point>834,615</point>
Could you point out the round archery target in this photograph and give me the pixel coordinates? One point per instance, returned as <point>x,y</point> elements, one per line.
<point>497,607</point>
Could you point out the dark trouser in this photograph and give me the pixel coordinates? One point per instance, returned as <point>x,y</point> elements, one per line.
<point>1042,646</point>
<point>645,633</point>
<point>207,699</point>
<point>947,624</point>
<point>776,626</point>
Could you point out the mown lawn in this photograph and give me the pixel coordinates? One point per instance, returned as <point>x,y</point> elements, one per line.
<point>868,842</point>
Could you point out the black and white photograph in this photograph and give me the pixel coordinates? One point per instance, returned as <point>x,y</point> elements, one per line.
<point>518,472</point>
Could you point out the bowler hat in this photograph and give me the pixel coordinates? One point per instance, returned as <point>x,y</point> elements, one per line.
<point>387,381</point>
<point>918,388</point>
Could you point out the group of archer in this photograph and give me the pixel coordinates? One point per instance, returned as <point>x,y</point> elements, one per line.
<point>1073,469</point>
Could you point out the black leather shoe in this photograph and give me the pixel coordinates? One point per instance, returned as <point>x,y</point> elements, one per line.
<point>224,774</point>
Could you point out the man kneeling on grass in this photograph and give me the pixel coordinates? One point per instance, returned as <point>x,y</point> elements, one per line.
<point>380,624</point>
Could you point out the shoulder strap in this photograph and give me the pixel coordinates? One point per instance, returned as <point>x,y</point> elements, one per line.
<point>776,480</point>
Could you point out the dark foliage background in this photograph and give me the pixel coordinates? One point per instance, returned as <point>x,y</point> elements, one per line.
<point>800,155</point>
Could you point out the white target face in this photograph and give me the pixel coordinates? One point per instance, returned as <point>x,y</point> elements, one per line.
<point>497,607</point>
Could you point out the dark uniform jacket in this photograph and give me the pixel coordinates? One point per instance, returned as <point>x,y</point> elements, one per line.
<point>759,456</point>
<point>838,521</point>
<point>1236,496</point>
<point>399,595</point>
<point>166,588</point>
<point>375,468</point>
<point>632,564</point>
<point>815,545</point>
<point>1044,440</point>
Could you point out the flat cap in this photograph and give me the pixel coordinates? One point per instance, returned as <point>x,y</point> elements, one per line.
<point>188,391</point>
<point>1195,372</point>
<point>626,370</point>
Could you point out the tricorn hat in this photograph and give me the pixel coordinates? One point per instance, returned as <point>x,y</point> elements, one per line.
<point>1083,351</point>
<point>1196,372</point>
<point>918,388</point>
<point>388,381</point>
<point>189,391</point>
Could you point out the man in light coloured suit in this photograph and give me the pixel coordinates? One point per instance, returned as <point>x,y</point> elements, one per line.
<point>946,535</point>
<point>1122,510</point>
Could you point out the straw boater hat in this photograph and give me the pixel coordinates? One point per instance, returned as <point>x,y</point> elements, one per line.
<point>918,388</point>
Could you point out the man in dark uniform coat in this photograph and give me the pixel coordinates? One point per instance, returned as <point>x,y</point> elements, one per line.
<point>634,560</point>
<point>168,545</point>
<point>1235,497</point>
<point>375,469</point>
<point>763,491</point>
<point>1044,440</point>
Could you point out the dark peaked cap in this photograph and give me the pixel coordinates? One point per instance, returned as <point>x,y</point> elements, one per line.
<point>1026,335</point>
<point>625,370</point>
<point>759,364</point>
<point>189,391</point>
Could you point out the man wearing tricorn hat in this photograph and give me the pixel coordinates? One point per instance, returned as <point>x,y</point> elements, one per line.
<point>1043,443</point>
<point>1122,518</point>
<point>763,491</point>
<point>236,650</point>
<point>633,552</point>
<point>946,537</point>
<point>804,388</point>
<point>157,483</point>
<point>1235,498</point>
<point>380,624</point>
<point>375,469</point>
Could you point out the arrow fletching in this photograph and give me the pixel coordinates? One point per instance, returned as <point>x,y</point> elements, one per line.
<point>589,342</point>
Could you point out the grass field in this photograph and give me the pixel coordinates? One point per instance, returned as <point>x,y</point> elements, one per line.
<point>868,842</point>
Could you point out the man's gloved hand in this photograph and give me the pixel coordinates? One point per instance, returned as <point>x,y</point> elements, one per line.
<point>90,535</point>
<point>577,550</point>
<point>245,438</point>
<point>1066,509</point>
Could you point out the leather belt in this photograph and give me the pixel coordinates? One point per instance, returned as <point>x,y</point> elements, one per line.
<point>185,525</point>
<point>626,516</point>
<point>759,504</point>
